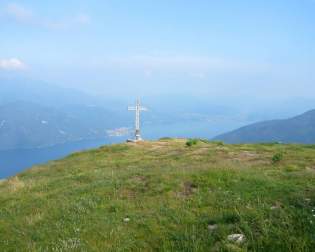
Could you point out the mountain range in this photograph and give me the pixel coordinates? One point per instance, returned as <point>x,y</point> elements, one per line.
<point>30,125</point>
<point>38,114</point>
<point>298,129</point>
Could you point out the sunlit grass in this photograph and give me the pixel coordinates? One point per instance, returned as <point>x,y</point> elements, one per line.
<point>163,196</point>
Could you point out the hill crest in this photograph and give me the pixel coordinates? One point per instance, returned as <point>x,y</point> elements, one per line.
<point>298,129</point>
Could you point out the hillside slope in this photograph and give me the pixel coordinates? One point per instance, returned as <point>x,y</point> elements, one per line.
<point>299,129</point>
<point>30,125</point>
<point>164,196</point>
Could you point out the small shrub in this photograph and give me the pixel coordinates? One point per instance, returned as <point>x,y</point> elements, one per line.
<point>230,218</point>
<point>165,138</point>
<point>191,142</point>
<point>219,143</point>
<point>204,140</point>
<point>276,158</point>
<point>270,143</point>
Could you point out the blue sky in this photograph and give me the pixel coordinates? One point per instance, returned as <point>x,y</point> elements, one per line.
<point>209,49</point>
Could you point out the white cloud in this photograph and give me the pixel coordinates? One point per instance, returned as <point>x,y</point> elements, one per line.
<point>26,16</point>
<point>18,12</point>
<point>12,64</point>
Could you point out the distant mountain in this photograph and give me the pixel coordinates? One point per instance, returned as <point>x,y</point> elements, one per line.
<point>38,114</point>
<point>30,125</point>
<point>85,116</point>
<point>40,92</point>
<point>299,129</point>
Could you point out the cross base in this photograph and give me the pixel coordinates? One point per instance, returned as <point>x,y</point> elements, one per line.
<point>134,140</point>
<point>138,137</point>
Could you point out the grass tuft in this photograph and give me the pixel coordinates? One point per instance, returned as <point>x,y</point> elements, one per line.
<point>276,158</point>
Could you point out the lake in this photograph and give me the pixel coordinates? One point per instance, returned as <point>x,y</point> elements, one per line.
<point>15,161</point>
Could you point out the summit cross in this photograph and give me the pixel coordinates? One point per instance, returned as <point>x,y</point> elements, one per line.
<point>138,108</point>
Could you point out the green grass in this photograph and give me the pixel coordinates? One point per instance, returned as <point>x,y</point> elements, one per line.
<point>191,142</point>
<point>170,192</point>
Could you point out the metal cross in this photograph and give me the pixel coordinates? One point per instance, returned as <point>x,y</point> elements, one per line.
<point>138,108</point>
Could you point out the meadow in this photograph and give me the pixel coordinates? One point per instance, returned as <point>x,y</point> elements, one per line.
<point>166,195</point>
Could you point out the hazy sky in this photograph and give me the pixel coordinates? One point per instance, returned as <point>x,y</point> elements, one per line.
<point>202,47</point>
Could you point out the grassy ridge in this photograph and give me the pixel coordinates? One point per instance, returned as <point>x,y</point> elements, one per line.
<point>164,196</point>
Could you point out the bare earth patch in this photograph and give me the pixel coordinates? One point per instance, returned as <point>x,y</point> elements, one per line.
<point>15,184</point>
<point>189,188</point>
<point>247,156</point>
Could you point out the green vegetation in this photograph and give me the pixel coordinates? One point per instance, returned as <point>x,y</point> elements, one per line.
<point>163,196</point>
<point>276,158</point>
<point>165,138</point>
<point>191,142</point>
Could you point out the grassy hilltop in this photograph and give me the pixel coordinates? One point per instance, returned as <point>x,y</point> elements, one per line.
<point>164,196</point>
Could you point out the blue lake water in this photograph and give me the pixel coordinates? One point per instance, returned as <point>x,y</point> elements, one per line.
<point>15,161</point>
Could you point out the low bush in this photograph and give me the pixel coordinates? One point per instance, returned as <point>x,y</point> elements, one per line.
<point>191,142</point>
<point>165,138</point>
<point>219,143</point>
<point>276,158</point>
